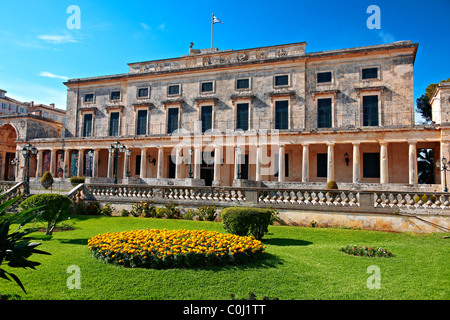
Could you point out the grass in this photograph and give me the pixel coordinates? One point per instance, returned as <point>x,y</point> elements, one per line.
<point>300,263</point>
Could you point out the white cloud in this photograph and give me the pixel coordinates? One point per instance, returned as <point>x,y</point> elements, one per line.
<point>57,38</point>
<point>52,75</point>
<point>162,26</point>
<point>386,37</point>
<point>145,26</point>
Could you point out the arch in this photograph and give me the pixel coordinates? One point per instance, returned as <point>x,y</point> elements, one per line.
<point>8,137</point>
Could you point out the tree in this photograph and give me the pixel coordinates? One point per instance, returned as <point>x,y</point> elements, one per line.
<point>423,105</point>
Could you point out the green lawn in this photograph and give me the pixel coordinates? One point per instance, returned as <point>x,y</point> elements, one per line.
<point>300,263</point>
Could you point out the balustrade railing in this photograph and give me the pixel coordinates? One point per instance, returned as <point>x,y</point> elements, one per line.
<point>412,200</point>
<point>13,190</point>
<point>309,197</point>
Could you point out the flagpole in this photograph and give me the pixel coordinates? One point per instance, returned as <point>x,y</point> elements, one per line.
<point>212,28</point>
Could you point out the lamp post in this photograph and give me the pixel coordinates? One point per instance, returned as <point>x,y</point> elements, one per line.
<point>28,152</point>
<point>190,163</point>
<point>443,166</point>
<point>117,149</point>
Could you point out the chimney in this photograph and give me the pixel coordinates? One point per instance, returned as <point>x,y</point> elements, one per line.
<point>52,105</point>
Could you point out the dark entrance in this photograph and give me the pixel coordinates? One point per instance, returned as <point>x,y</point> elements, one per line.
<point>207,168</point>
<point>172,167</point>
<point>9,167</point>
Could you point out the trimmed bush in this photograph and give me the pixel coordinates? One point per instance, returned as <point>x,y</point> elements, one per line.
<point>332,185</point>
<point>47,180</point>
<point>244,221</point>
<point>77,180</point>
<point>57,208</point>
<point>206,213</point>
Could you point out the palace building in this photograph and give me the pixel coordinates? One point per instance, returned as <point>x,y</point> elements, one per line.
<point>269,116</point>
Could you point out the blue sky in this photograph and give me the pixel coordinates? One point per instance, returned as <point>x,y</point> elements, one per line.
<point>38,51</point>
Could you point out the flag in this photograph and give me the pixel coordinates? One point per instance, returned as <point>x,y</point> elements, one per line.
<point>215,20</point>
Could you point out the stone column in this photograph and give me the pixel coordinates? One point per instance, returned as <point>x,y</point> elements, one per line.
<point>217,160</point>
<point>110,165</point>
<point>412,162</point>
<point>80,162</point>
<point>143,163</point>
<point>53,162</point>
<point>281,163</point>
<point>258,163</point>
<point>159,174</point>
<point>237,163</point>
<point>66,173</point>
<point>330,160</point>
<point>95,163</point>
<point>126,165</point>
<point>178,162</point>
<point>356,160</point>
<point>40,157</point>
<point>197,161</point>
<point>444,153</point>
<point>305,163</point>
<point>383,163</point>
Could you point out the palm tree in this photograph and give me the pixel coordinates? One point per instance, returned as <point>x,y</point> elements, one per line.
<point>425,161</point>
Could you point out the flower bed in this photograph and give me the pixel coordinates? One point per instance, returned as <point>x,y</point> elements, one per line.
<point>366,251</point>
<point>153,248</point>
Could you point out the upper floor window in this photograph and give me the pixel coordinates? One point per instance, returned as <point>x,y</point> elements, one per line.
<point>324,113</point>
<point>141,125</point>
<point>242,84</point>
<point>282,114</point>
<point>207,86</point>
<point>89,97</point>
<point>172,120</point>
<point>173,90</point>
<point>206,118</point>
<point>242,116</point>
<point>143,93</point>
<point>281,80</point>
<point>87,125</point>
<point>115,95</point>
<point>324,77</point>
<point>370,110</point>
<point>114,124</point>
<point>369,73</point>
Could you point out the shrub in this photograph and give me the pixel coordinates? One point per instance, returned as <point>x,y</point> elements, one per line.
<point>332,185</point>
<point>189,214</point>
<point>170,211</point>
<point>77,180</point>
<point>206,213</point>
<point>144,209</point>
<point>107,210</point>
<point>124,213</point>
<point>90,208</point>
<point>245,221</point>
<point>174,248</point>
<point>47,180</point>
<point>56,208</point>
<point>366,251</point>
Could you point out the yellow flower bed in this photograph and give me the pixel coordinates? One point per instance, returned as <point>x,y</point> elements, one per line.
<point>153,248</point>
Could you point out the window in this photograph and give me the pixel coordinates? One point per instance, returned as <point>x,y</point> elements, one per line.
<point>115,95</point>
<point>369,73</point>
<point>206,118</point>
<point>322,159</point>
<point>281,80</point>
<point>87,125</point>
<point>207,87</point>
<point>173,90</point>
<point>242,84</point>
<point>324,113</point>
<point>286,165</point>
<point>282,114</point>
<point>143,93</point>
<point>89,97</point>
<point>141,125</point>
<point>323,77</point>
<point>370,110</point>
<point>371,165</point>
<point>242,116</point>
<point>172,120</point>
<point>114,124</point>
<point>138,165</point>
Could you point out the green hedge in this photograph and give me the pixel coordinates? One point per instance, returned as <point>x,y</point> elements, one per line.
<point>244,221</point>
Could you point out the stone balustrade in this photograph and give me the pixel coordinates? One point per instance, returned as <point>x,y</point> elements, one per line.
<point>412,200</point>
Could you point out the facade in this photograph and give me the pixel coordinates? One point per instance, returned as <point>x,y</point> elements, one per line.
<point>269,116</point>
<point>47,111</point>
<point>11,106</point>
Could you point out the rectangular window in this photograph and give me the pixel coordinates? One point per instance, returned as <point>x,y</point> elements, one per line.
<point>370,110</point>
<point>242,116</point>
<point>206,118</point>
<point>89,97</point>
<point>282,80</point>
<point>242,83</point>
<point>114,124</point>
<point>322,159</point>
<point>115,95</point>
<point>323,77</point>
<point>371,165</point>
<point>141,125</point>
<point>369,73</point>
<point>143,93</point>
<point>87,125</point>
<point>207,87</point>
<point>286,165</point>
<point>172,120</point>
<point>138,165</point>
<point>282,114</point>
<point>324,113</point>
<point>173,90</point>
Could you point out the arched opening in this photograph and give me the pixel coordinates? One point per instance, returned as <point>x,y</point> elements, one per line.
<point>8,137</point>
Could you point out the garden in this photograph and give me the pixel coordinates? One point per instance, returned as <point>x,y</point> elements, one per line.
<point>165,253</point>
